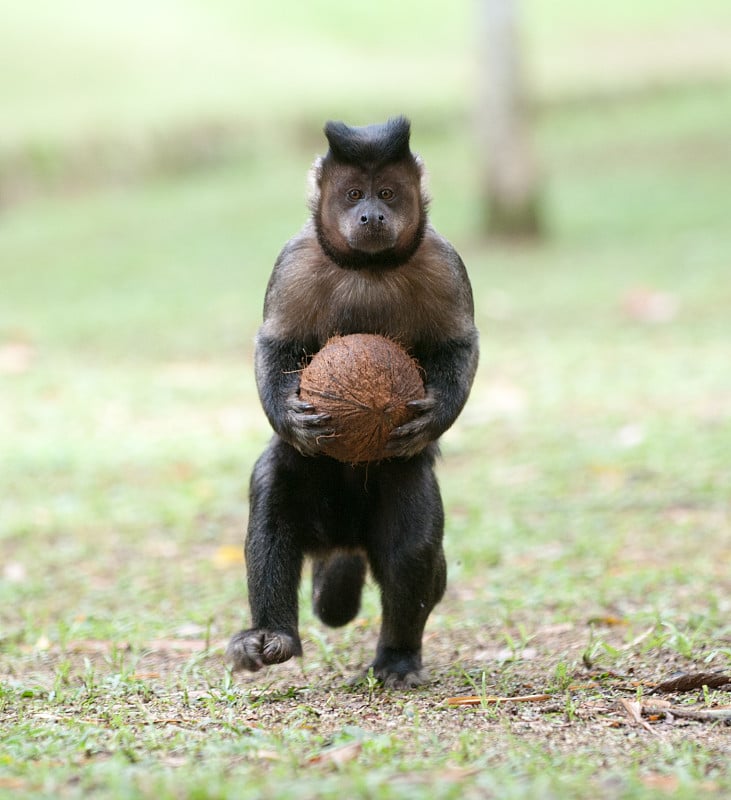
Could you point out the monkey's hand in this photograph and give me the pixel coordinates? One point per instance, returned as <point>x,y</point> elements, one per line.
<point>305,429</point>
<point>411,438</point>
<point>257,648</point>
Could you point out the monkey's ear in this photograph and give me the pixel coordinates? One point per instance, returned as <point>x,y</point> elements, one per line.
<point>423,180</point>
<point>314,182</point>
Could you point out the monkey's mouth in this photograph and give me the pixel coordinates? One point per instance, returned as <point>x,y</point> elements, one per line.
<point>372,240</point>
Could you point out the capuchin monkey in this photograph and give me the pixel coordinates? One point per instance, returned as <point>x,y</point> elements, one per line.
<point>367,261</point>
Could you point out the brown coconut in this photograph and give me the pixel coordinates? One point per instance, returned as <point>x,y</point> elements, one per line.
<point>364,382</point>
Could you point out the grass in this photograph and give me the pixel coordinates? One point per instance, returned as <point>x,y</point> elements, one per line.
<point>587,483</point>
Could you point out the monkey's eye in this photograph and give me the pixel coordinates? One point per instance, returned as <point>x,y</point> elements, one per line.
<point>386,194</point>
<point>354,195</point>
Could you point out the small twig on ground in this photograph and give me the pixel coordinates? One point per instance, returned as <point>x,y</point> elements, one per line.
<point>633,710</point>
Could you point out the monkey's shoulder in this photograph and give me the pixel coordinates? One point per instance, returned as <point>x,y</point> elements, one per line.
<point>300,256</point>
<point>439,261</point>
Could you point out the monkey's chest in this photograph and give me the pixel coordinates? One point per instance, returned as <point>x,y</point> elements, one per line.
<point>395,308</point>
<point>363,314</point>
<point>405,305</point>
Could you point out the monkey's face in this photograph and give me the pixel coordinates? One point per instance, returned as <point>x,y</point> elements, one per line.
<point>370,211</point>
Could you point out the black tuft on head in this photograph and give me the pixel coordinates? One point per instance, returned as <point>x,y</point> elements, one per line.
<point>371,144</point>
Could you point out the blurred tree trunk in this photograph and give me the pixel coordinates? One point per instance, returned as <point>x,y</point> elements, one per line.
<point>510,176</point>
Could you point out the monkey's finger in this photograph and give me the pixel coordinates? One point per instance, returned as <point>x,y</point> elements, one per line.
<point>244,651</point>
<point>406,448</point>
<point>416,426</point>
<point>278,647</point>
<point>420,406</point>
<point>311,420</point>
<point>301,406</point>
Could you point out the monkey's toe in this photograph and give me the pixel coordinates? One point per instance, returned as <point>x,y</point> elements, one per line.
<point>392,680</point>
<point>399,670</point>
<point>256,648</point>
<point>408,680</point>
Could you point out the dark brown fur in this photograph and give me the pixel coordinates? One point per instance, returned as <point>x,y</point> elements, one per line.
<point>427,298</point>
<point>367,261</point>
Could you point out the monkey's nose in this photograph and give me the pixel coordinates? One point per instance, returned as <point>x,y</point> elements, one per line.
<point>365,219</point>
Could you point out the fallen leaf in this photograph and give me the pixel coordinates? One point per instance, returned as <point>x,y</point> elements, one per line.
<point>669,783</point>
<point>15,357</point>
<point>268,755</point>
<point>689,682</point>
<point>90,646</point>
<point>644,304</point>
<point>609,621</point>
<point>447,774</point>
<point>227,555</point>
<point>665,783</point>
<point>476,700</point>
<point>629,436</point>
<point>12,783</point>
<point>338,755</point>
<point>174,761</point>
<point>14,572</point>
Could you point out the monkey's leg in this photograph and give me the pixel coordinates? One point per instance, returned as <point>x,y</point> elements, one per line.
<point>407,560</point>
<point>337,584</point>
<point>274,556</point>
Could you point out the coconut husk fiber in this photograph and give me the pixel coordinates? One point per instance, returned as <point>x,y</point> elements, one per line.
<point>364,382</point>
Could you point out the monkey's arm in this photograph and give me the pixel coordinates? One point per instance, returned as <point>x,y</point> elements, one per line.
<point>449,368</point>
<point>278,366</point>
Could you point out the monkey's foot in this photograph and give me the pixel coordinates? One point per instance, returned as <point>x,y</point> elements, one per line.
<point>398,670</point>
<point>409,680</point>
<point>257,648</point>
